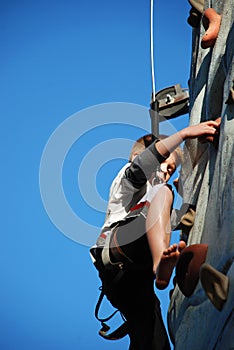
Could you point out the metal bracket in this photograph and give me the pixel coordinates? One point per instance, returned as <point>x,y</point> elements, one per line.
<point>171,102</point>
<point>168,103</point>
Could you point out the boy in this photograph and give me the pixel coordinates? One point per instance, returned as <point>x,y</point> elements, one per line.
<point>136,233</point>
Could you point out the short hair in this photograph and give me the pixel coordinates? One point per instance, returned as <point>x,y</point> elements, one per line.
<point>145,141</point>
<point>141,144</point>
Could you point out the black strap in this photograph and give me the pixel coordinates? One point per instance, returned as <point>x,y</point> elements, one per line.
<point>119,333</point>
<point>98,307</point>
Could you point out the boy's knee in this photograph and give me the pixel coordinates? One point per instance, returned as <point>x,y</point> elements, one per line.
<point>163,196</point>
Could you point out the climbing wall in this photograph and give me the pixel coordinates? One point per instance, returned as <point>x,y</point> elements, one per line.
<point>208,182</point>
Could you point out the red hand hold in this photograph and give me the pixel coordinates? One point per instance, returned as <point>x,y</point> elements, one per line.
<point>211,21</point>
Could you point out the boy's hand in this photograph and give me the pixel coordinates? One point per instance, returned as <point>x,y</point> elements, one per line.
<point>214,139</point>
<point>204,131</point>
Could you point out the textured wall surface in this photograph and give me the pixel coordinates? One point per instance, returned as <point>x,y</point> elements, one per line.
<point>208,176</point>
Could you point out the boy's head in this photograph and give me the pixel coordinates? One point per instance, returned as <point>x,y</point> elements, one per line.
<point>140,145</point>
<point>169,166</point>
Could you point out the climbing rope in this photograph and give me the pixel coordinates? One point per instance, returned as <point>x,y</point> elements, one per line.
<point>152,48</point>
<point>153,112</point>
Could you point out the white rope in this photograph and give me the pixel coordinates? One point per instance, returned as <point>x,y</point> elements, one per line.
<point>152,48</point>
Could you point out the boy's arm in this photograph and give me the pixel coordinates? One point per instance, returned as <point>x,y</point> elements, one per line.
<point>143,166</point>
<point>169,144</point>
<point>145,163</point>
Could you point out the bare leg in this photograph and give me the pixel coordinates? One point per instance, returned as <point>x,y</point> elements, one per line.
<point>167,264</point>
<point>211,22</point>
<point>158,224</point>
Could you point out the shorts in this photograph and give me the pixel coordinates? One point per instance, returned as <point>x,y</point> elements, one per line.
<point>128,241</point>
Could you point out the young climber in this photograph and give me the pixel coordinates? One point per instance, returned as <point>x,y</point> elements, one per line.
<point>136,232</point>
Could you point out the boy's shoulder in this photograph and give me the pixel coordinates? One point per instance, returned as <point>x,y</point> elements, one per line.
<point>121,172</point>
<point>120,175</point>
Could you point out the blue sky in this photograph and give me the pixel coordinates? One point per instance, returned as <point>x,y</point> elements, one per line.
<point>61,59</point>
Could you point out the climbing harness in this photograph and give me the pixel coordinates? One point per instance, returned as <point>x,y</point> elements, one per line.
<point>122,330</point>
<point>116,270</point>
<point>118,333</point>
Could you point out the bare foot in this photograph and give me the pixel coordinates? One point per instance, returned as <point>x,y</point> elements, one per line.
<point>167,264</point>
<point>211,21</point>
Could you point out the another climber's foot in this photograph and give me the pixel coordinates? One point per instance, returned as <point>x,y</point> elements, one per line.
<point>198,5</point>
<point>211,21</point>
<point>194,18</point>
<point>167,264</point>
